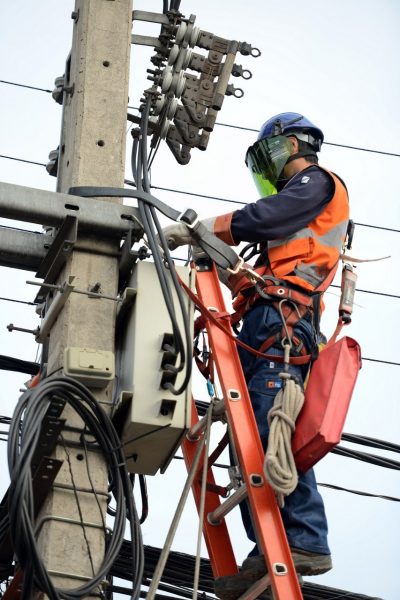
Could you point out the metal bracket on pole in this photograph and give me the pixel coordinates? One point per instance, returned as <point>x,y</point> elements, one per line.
<point>60,248</point>
<point>150,17</point>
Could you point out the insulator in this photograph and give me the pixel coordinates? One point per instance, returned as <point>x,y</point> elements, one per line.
<point>173,55</point>
<point>159,105</point>
<point>167,76</point>
<point>180,32</point>
<point>194,36</point>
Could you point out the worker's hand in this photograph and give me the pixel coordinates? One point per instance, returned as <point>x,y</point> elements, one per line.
<point>177,235</point>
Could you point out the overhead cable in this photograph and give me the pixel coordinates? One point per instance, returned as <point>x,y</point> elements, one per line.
<point>23,85</point>
<point>9,363</point>
<point>179,574</point>
<point>24,160</point>
<point>17,301</point>
<point>327,143</point>
<point>358,492</point>
<point>174,191</point>
<point>31,87</point>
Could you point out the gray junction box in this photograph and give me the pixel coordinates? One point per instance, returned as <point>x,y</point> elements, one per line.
<point>151,419</point>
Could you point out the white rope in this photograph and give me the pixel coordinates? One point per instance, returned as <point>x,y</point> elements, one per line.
<point>207,435</point>
<point>279,466</point>
<point>174,525</point>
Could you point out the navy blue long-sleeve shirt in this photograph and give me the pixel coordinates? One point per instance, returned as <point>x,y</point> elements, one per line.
<point>282,214</point>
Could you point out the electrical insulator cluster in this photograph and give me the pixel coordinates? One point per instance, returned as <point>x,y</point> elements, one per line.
<point>188,86</point>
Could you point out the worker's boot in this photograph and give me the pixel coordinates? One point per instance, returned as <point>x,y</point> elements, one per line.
<point>232,587</point>
<point>305,563</point>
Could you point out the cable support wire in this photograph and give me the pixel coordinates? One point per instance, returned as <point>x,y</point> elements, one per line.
<point>24,435</point>
<point>162,259</point>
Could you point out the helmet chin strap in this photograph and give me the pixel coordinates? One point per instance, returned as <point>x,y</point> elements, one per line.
<point>302,154</point>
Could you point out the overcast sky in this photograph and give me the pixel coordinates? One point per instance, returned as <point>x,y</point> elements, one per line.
<point>336,63</point>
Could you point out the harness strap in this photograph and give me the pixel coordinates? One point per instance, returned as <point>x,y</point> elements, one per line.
<point>294,360</point>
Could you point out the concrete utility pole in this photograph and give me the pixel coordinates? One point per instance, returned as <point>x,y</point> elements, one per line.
<point>92,152</point>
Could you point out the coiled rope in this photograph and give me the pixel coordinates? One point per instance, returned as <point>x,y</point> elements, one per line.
<point>279,465</point>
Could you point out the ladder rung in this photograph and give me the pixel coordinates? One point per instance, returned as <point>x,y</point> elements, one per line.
<point>219,513</point>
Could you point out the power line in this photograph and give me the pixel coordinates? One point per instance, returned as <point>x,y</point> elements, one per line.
<point>370,292</point>
<point>327,143</point>
<point>358,492</point>
<point>327,485</point>
<point>24,160</point>
<point>23,85</point>
<point>31,87</point>
<point>174,191</point>
<point>17,301</point>
<point>385,362</point>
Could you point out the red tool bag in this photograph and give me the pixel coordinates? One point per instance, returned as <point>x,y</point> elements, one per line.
<point>328,393</point>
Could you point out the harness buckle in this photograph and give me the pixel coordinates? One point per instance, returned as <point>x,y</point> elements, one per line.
<point>238,267</point>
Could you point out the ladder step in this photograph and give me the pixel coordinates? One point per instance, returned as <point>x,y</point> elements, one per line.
<point>215,517</point>
<point>259,589</point>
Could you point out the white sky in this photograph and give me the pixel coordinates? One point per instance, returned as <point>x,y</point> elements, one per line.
<point>335,62</point>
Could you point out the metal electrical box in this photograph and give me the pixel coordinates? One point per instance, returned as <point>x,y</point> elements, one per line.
<point>151,419</point>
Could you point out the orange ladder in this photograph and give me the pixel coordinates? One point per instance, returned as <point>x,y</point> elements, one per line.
<point>266,516</point>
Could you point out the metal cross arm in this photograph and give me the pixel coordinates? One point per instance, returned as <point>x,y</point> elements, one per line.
<point>50,209</point>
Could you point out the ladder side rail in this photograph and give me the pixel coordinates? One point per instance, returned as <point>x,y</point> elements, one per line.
<point>217,538</point>
<point>267,520</point>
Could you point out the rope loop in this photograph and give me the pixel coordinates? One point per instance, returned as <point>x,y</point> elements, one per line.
<point>279,466</point>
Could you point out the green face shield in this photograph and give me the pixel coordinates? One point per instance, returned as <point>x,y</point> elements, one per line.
<point>266,159</point>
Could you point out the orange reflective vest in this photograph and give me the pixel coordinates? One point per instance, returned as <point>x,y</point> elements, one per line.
<point>307,259</point>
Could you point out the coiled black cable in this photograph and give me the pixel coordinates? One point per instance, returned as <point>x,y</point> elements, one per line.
<point>23,440</point>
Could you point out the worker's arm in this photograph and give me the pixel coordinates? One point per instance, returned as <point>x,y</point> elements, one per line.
<point>280,215</point>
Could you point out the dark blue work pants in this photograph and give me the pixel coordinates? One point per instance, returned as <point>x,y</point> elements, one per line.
<point>303,514</point>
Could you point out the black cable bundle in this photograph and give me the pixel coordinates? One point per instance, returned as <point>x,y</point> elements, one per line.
<point>23,440</point>
<point>155,236</point>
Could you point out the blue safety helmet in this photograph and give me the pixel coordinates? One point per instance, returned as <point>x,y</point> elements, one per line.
<point>267,157</point>
<point>298,125</point>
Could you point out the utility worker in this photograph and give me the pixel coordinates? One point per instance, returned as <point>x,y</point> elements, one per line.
<point>298,227</point>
